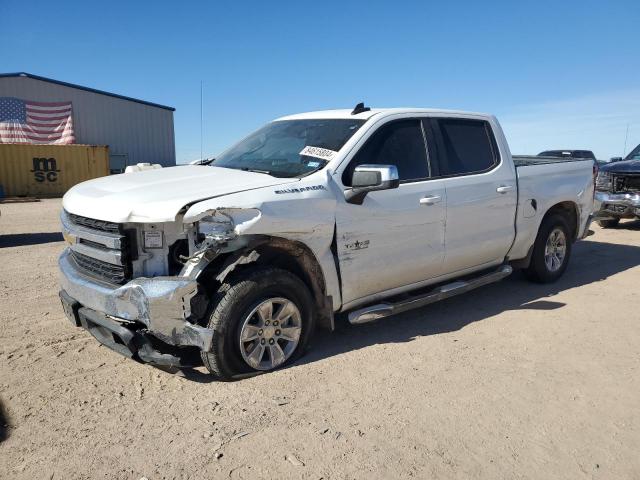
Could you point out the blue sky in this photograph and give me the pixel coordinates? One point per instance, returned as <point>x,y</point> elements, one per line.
<point>559,74</point>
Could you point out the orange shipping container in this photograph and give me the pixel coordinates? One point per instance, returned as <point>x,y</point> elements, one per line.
<point>49,170</point>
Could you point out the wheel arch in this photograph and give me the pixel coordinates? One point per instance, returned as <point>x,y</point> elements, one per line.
<point>290,255</point>
<point>570,211</point>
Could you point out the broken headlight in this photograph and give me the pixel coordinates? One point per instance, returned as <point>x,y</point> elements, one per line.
<point>217,227</point>
<point>603,181</point>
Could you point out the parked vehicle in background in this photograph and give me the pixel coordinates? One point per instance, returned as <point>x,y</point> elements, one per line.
<point>568,154</point>
<point>313,214</point>
<point>618,190</point>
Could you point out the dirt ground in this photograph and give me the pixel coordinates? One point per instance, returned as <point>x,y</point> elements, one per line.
<point>514,380</point>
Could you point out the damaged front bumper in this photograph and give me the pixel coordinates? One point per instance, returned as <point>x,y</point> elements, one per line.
<point>616,205</point>
<point>147,319</point>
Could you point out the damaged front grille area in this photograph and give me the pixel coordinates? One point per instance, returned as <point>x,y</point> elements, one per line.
<point>117,274</point>
<point>625,183</point>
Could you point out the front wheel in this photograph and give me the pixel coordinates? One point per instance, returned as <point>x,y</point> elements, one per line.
<point>262,320</point>
<point>551,250</point>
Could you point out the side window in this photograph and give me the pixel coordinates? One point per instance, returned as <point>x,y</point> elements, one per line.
<point>469,146</point>
<point>398,143</point>
<point>584,154</point>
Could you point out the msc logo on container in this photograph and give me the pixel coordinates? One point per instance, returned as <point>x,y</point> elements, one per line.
<point>45,169</point>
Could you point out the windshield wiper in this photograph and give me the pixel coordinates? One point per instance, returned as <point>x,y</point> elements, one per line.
<point>255,170</point>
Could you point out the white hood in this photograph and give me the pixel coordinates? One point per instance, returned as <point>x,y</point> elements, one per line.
<point>155,196</point>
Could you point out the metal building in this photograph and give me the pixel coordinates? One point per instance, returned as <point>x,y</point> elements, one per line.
<point>135,131</point>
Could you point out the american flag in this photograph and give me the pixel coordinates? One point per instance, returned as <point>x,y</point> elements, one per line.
<point>23,121</point>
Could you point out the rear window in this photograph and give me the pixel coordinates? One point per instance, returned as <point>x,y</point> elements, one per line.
<point>555,153</point>
<point>584,154</point>
<point>469,146</point>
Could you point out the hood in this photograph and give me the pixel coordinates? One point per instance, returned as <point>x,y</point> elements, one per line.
<point>624,166</point>
<point>155,196</point>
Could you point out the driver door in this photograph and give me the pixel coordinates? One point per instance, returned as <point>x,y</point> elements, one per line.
<point>395,239</point>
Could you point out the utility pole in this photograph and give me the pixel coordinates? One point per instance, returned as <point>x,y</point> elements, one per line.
<point>201,130</point>
<point>626,136</point>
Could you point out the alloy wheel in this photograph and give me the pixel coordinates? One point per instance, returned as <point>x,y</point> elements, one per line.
<point>270,333</point>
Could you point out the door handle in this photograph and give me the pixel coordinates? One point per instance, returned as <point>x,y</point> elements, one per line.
<point>431,200</point>
<point>504,188</point>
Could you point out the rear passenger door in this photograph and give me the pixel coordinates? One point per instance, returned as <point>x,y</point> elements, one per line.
<point>481,193</point>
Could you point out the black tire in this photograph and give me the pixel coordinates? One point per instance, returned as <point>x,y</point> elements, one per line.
<point>538,270</point>
<point>235,299</point>
<point>609,223</point>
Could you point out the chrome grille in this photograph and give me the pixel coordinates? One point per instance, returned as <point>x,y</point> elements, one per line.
<point>105,271</point>
<point>94,224</point>
<point>97,245</point>
<point>626,183</point>
<point>102,249</point>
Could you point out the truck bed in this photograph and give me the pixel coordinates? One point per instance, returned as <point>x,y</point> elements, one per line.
<point>544,182</point>
<point>527,160</point>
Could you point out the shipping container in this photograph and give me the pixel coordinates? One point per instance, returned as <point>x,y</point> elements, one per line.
<point>49,170</point>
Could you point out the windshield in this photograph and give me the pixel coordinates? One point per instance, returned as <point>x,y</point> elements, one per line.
<point>290,148</point>
<point>634,154</point>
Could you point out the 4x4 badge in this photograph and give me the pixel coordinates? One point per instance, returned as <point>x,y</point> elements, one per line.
<point>357,245</point>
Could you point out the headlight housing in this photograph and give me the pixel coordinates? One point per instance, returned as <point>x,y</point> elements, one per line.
<point>603,181</point>
<point>216,227</point>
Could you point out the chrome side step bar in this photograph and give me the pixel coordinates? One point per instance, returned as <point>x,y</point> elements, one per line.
<point>380,310</point>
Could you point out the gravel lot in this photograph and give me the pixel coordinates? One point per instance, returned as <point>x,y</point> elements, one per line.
<point>514,380</point>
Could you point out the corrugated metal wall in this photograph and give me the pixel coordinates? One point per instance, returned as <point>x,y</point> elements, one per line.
<point>49,170</point>
<point>133,131</point>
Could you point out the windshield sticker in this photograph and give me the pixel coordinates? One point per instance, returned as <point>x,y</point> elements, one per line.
<point>323,153</point>
<point>313,164</point>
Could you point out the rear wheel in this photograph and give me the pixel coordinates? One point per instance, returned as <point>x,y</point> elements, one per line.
<point>609,223</point>
<point>262,320</point>
<point>551,250</point>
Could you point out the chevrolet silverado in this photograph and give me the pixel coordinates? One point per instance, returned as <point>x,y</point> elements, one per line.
<point>366,212</point>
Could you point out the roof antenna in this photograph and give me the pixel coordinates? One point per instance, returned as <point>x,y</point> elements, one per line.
<point>360,108</point>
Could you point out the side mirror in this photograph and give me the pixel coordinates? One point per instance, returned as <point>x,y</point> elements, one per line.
<point>369,178</point>
<point>616,159</point>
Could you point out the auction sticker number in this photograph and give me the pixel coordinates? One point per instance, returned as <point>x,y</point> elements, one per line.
<point>318,152</point>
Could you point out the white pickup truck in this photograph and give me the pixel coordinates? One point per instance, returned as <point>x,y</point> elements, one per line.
<point>369,212</point>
